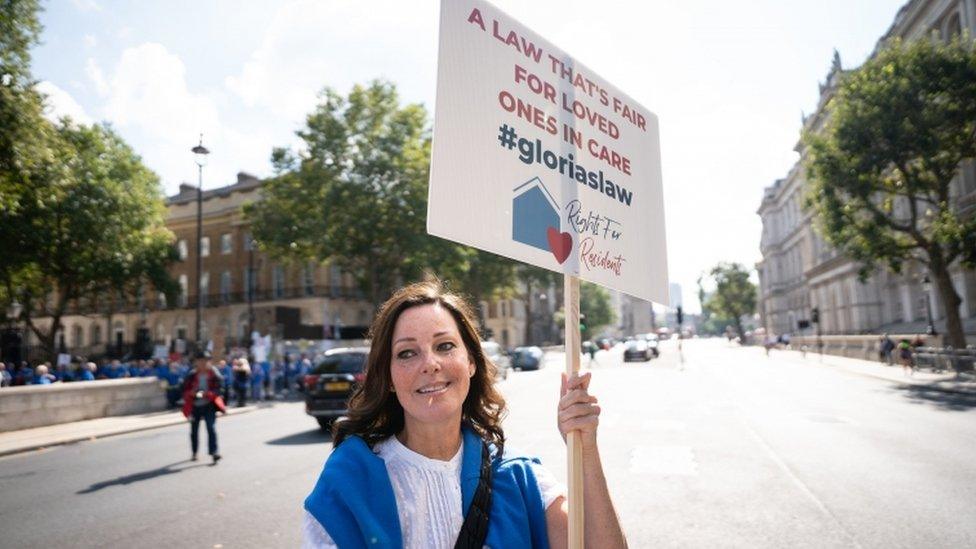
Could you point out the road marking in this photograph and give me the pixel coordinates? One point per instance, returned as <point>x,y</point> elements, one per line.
<point>804,489</point>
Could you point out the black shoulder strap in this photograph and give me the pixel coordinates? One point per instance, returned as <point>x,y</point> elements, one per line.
<point>475,527</point>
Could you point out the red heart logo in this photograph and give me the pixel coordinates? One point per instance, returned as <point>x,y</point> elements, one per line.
<point>560,244</point>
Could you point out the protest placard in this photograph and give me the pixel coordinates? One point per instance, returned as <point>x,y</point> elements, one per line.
<point>538,158</point>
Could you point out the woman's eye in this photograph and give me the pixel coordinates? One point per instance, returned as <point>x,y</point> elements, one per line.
<point>446,346</point>
<point>405,354</point>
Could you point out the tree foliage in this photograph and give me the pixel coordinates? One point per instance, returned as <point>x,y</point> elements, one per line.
<point>734,296</point>
<point>356,197</point>
<point>881,168</point>
<point>595,304</point>
<point>80,215</point>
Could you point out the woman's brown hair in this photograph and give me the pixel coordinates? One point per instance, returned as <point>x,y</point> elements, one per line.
<point>374,411</point>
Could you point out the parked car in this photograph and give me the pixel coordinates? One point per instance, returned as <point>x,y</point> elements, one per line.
<point>497,356</point>
<point>331,381</point>
<point>527,358</point>
<point>638,350</point>
<point>652,341</point>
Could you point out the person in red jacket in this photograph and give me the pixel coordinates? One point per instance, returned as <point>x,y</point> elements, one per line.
<point>202,401</point>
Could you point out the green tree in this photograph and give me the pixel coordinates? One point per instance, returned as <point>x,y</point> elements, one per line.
<point>734,297</point>
<point>97,231</point>
<point>595,304</point>
<point>357,197</point>
<point>79,213</point>
<point>881,169</point>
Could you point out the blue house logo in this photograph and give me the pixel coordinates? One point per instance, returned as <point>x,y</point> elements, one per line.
<point>534,210</point>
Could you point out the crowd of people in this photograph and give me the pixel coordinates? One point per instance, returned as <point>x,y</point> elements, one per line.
<point>240,378</point>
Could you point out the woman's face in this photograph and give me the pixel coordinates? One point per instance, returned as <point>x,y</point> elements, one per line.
<point>430,366</point>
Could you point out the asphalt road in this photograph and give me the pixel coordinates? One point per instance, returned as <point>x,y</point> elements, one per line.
<point>728,449</point>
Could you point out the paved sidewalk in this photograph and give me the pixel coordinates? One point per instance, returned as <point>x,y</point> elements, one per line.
<point>943,381</point>
<point>25,440</point>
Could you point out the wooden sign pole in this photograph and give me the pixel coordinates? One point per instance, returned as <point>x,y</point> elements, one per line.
<point>571,306</point>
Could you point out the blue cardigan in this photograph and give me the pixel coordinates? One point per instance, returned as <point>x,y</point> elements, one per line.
<point>354,501</point>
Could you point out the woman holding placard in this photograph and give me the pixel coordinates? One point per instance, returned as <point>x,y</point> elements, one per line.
<point>420,462</point>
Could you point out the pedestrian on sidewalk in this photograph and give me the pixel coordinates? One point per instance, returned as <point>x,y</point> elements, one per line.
<point>424,432</point>
<point>905,357</point>
<point>241,371</point>
<point>885,349</point>
<point>202,401</point>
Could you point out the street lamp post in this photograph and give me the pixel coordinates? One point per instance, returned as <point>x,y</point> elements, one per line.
<point>13,313</point>
<point>250,290</point>
<point>200,156</point>
<point>927,286</point>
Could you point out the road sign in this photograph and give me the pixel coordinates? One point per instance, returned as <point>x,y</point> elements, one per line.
<point>538,158</point>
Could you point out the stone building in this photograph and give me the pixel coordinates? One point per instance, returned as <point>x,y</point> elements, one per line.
<point>289,301</point>
<point>799,271</point>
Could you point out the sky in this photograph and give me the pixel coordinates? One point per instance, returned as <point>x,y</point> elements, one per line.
<point>729,82</point>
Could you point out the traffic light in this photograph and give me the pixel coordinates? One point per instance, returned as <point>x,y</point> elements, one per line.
<point>815,315</point>
<point>681,316</point>
<point>582,323</point>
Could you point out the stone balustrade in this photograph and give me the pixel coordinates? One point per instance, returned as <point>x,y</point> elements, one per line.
<point>40,405</point>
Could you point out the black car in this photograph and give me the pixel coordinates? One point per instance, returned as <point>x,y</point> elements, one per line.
<point>638,349</point>
<point>331,382</point>
<point>527,358</point>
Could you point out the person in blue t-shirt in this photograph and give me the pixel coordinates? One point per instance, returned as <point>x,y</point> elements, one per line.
<point>42,377</point>
<point>87,372</point>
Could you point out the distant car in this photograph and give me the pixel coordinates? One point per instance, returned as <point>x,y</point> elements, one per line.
<point>527,358</point>
<point>331,382</point>
<point>653,343</point>
<point>638,350</point>
<point>497,356</point>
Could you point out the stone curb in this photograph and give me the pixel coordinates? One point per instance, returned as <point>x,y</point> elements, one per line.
<point>68,438</point>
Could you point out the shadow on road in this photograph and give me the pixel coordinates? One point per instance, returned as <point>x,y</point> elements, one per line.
<point>315,436</point>
<point>956,401</point>
<point>138,477</point>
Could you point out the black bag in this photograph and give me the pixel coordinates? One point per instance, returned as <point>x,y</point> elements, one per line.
<point>475,527</point>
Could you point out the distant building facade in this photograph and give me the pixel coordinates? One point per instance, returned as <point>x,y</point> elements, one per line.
<point>799,271</point>
<point>289,301</point>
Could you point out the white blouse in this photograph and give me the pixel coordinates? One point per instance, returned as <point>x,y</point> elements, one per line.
<point>428,497</point>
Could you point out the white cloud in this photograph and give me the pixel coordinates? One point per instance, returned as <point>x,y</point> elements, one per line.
<point>59,103</point>
<point>90,41</point>
<point>94,73</point>
<point>148,98</point>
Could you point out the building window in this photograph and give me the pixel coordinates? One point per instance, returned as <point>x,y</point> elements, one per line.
<point>96,334</point>
<point>205,246</point>
<point>184,290</point>
<point>278,281</point>
<point>308,279</point>
<point>225,286</point>
<point>161,300</point>
<point>204,287</point>
<point>226,243</point>
<point>248,242</point>
<point>250,282</point>
<point>181,249</point>
<point>77,336</point>
<point>335,278</point>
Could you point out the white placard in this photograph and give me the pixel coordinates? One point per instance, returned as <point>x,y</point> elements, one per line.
<point>160,351</point>
<point>537,158</point>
